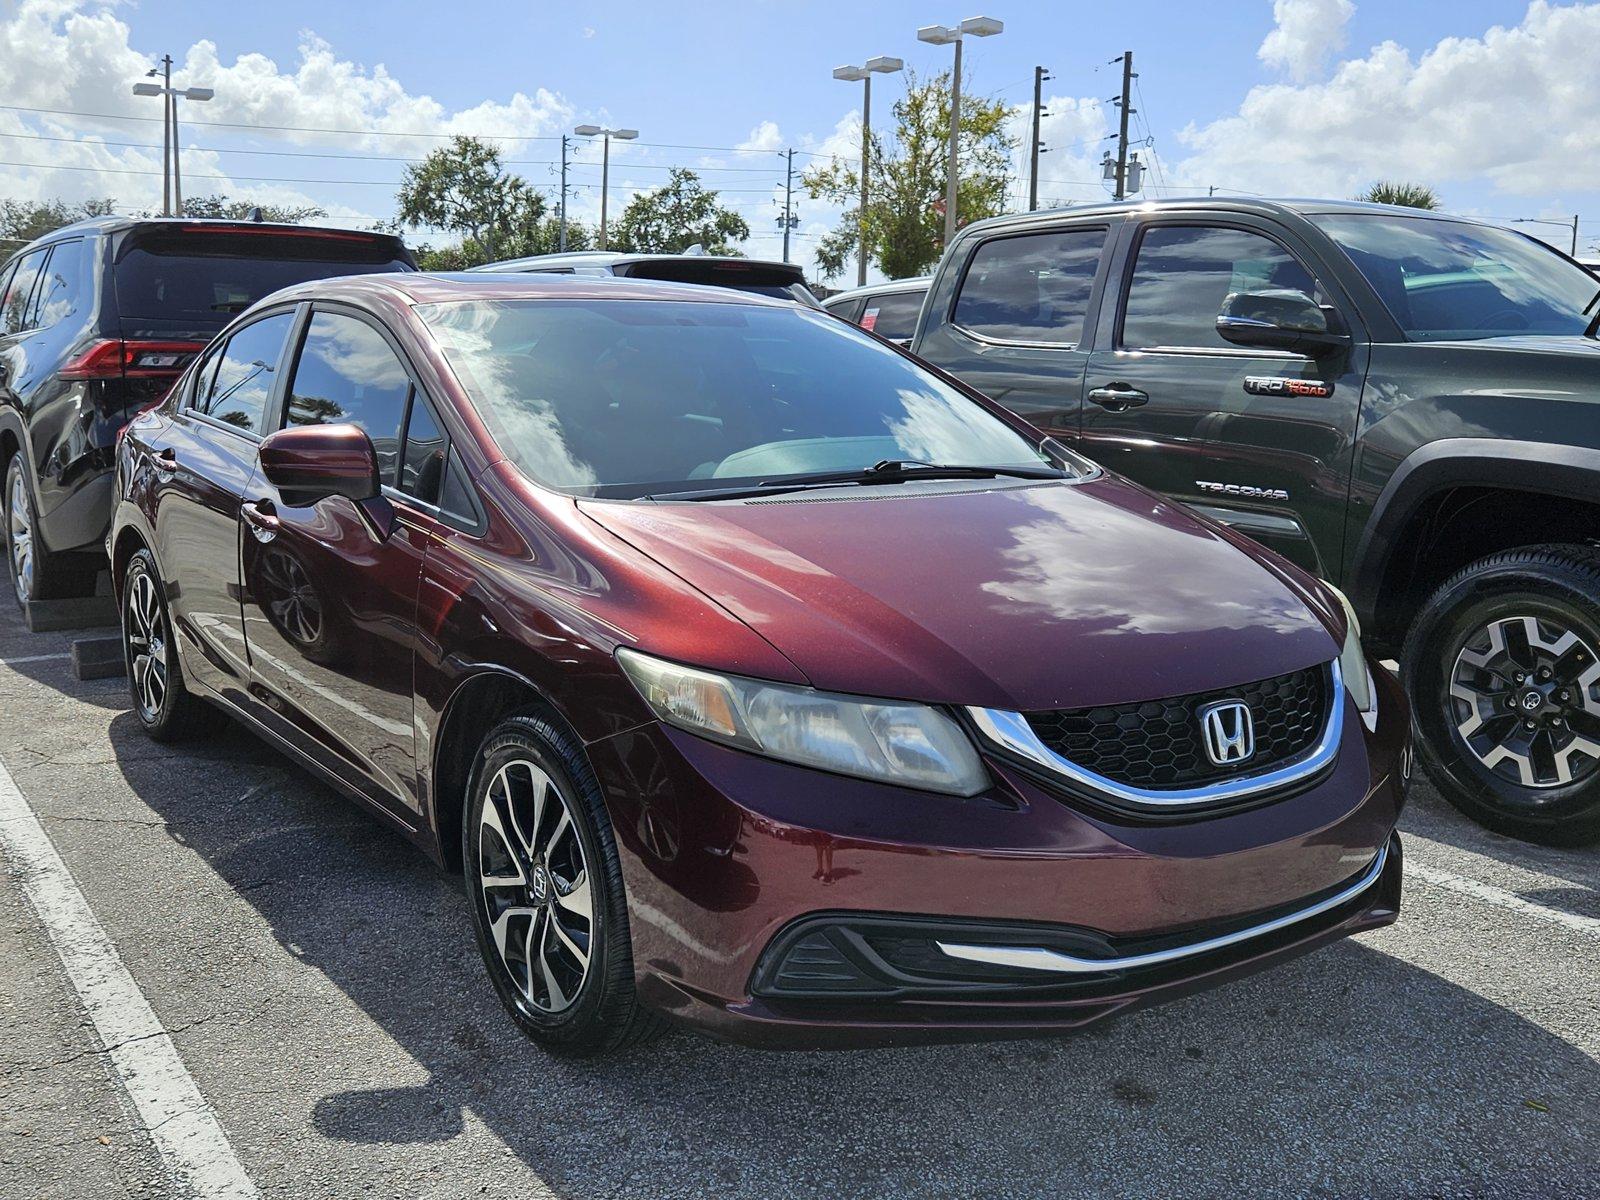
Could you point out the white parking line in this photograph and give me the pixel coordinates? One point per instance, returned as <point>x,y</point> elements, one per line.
<point>32,658</point>
<point>181,1123</point>
<point>1490,894</point>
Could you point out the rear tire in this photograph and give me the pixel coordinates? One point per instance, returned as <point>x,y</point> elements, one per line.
<point>545,887</point>
<point>166,709</point>
<point>1503,669</point>
<point>36,572</point>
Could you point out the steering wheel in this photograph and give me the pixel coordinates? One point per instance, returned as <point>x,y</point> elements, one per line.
<point>1504,318</point>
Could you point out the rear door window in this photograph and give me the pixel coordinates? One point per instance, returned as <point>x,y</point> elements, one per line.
<point>238,392</point>
<point>347,372</point>
<point>15,307</point>
<point>205,278</point>
<point>1031,288</point>
<point>893,315</point>
<point>1183,273</point>
<point>61,293</point>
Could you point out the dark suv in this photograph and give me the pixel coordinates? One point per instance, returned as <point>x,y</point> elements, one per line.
<point>1403,403</point>
<point>96,321</point>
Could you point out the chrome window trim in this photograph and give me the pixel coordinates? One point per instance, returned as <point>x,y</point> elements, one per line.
<point>1038,958</point>
<point>1011,731</point>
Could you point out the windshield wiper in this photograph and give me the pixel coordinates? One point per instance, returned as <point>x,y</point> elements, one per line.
<point>885,471</point>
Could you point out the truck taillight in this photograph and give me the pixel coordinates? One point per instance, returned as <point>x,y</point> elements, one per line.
<point>119,359</point>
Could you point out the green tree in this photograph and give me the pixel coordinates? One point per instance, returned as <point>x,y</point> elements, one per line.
<point>22,221</point>
<point>220,206</point>
<point>905,221</point>
<point>464,188</point>
<point>678,215</point>
<point>1407,195</point>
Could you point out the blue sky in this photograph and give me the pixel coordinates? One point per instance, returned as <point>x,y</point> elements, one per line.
<point>1493,103</point>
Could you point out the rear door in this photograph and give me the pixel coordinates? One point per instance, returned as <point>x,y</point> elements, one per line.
<point>1021,320</point>
<point>204,459</point>
<point>1259,438</point>
<point>330,589</point>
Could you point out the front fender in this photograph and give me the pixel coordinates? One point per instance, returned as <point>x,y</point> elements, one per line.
<point>1544,468</point>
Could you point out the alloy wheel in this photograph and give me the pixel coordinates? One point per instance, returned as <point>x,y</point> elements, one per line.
<point>535,884</point>
<point>20,537</point>
<point>145,628</point>
<point>1525,699</point>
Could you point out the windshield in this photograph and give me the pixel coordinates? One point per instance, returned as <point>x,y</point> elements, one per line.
<point>624,398</point>
<point>1452,279</point>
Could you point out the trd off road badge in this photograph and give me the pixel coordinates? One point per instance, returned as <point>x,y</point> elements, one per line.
<point>1273,385</point>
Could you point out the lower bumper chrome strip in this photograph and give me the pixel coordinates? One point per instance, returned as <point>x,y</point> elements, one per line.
<point>1037,958</point>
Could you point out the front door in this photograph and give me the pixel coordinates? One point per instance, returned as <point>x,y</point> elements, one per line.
<point>330,589</point>
<point>205,457</point>
<point>1258,438</point>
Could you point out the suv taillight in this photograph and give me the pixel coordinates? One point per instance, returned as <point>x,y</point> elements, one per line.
<point>117,359</point>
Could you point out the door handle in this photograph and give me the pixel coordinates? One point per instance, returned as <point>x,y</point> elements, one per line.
<point>1118,397</point>
<point>166,460</point>
<point>262,517</point>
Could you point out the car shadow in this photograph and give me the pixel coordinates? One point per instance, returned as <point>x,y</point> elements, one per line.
<point>1430,815</point>
<point>1349,1072</point>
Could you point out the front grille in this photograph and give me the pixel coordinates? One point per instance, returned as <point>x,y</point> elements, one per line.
<point>1157,744</point>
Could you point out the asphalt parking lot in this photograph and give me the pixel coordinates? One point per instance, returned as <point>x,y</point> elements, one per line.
<point>318,979</point>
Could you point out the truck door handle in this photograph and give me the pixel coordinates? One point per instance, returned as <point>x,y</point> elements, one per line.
<point>262,518</point>
<point>166,460</point>
<point>1118,397</point>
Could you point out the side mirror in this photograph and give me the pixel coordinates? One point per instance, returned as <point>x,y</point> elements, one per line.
<point>1281,319</point>
<point>307,463</point>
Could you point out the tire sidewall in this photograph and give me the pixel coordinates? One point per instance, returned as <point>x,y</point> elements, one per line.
<point>143,563</point>
<point>16,466</point>
<point>585,1024</point>
<point>1483,594</point>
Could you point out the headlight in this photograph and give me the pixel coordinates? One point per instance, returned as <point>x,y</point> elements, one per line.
<point>1353,664</point>
<point>908,744</point>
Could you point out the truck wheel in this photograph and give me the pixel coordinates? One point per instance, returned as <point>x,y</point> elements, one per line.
<point>1503,670</point>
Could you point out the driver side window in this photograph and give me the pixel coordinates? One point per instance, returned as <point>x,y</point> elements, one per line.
<point>1183,273</point>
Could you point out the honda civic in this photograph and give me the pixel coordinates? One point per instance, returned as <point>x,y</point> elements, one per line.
<point>755,676</point>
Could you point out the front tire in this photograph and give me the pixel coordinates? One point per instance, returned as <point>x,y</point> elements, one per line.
<point>166,709</point>
<point>1503,668</point>
<point>545,886</point>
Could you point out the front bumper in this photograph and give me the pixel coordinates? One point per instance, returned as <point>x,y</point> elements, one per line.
<point>731,860</point>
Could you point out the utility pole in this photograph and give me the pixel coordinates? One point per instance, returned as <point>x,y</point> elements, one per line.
<point>788,202</point>
<point>177,173</point>
<point>1122,133</point>
<point>561,243</point>
<point>1574,235</point>
<point>1040,74</point>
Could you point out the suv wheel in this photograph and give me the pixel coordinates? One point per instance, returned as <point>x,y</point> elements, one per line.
<point>36,573</point>
<point>165,707</point>
<point>545,886</point>
<point>1503,668</point>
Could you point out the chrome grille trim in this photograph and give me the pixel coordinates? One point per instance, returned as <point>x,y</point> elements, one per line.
<point>1011,732</point>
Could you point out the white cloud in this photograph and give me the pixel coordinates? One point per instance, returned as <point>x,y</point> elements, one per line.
<point>1073,131</point>
<point>1305,34</point>
<point>765,136</point>
<point>1516,107</point>
<point>74,56</point>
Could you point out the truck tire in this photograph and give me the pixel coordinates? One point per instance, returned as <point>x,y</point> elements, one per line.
<point>1503,669</point>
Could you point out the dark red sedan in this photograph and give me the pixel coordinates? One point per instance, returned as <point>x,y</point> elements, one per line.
<point>755,675</point>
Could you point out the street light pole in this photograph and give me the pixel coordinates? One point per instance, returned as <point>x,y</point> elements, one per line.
<point>623,135</point>
<point>1548,221</point>
<point>171,185</point>
<point>943,35</point>
<point>882,65</point>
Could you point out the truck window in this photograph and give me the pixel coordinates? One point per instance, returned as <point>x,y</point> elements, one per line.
<point>1032,288</point>
<point>1183,273</point>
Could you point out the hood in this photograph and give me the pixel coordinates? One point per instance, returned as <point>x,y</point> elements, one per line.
<point>1024,597</point>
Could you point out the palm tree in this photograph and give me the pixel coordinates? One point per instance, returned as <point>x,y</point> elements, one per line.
<point>1407,195</point>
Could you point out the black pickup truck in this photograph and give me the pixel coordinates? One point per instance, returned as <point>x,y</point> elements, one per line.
<point>1404,403</point>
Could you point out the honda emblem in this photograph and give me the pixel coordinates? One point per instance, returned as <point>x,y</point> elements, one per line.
<point>1228,731</point>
